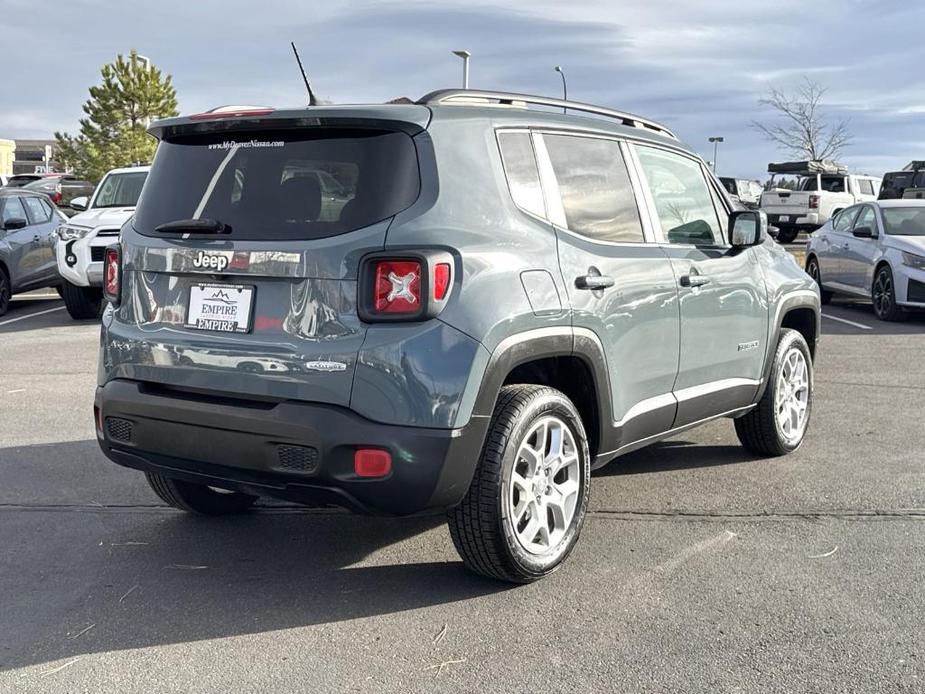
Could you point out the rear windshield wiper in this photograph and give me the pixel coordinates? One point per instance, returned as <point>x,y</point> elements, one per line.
<point>193,226</point>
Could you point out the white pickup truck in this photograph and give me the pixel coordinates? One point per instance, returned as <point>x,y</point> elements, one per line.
<point>822,189</point>
<point>84,237</point>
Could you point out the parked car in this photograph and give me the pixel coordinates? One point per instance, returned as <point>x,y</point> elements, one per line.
<point>61,188</point>
<point>83,239</point>
<point>876,251</point>
<point>908,183</point>
<point>28,221</point>
<point>511,297</point>
<point>743,190</point>
<point>823,189</point>
<point>19,180</point>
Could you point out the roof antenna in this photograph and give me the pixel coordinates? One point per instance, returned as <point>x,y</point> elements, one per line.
<point>312,101</point>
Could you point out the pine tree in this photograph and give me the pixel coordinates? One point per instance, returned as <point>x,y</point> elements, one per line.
<point>112,134</point>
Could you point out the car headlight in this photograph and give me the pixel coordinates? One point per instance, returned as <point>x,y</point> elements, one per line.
<point>916,261</point>
<point>67,232</point>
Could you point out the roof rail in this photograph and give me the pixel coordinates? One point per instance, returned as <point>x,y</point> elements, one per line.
<point>461,96</point>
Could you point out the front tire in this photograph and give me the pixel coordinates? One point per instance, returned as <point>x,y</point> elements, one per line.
<point>526,504</point>
<point>198,498</point>
<point>883,296</point>
<point>777,425</point>
<point>812,269</point>
<point>82,303</point>
<point>6,291</point>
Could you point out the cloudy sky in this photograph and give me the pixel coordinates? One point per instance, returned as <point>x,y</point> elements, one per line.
<point>699,66</point>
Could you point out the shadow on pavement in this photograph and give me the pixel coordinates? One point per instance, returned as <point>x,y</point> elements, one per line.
<point>151,576</point>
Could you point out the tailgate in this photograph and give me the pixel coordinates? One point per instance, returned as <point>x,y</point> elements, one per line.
<point>794,202</point>
<point>240,264</point>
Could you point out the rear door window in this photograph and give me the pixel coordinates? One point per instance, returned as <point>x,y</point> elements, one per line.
<point>278,185</point>
<point>523,178</point>
<point>595,187</point>
<point>866,186</point>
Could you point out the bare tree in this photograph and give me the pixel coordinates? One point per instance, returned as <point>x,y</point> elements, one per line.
<point>802,130</point>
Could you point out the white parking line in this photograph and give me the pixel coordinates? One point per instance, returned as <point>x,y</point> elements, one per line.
<point>840,320</point>
<point>32,315</point>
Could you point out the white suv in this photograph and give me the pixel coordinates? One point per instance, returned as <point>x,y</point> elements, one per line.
<point>83,239</point>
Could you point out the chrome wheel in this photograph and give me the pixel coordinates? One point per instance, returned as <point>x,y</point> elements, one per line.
<point>883,293</point>
<point>813,272</point>
<point>792,396</point>
<point>544,488</point>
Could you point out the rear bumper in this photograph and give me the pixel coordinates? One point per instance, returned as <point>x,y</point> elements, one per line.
<point>804,221</point>
<point>301,452</point>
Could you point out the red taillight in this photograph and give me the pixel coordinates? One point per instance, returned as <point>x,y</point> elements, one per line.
<point>814,202</point>
<point>112,274</point>
<point>441,281</point>
<point>56,196</point>
<point>397,286</point>
<point>372,462</point>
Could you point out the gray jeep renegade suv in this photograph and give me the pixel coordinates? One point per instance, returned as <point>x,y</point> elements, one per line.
<point>464,305</point>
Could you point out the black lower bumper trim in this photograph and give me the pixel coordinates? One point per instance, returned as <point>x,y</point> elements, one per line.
<point>248,447</point>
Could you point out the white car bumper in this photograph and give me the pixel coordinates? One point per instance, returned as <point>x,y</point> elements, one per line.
<point>80,261</point>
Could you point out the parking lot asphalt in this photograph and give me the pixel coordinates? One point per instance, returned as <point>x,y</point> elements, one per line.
<point>700,568</point>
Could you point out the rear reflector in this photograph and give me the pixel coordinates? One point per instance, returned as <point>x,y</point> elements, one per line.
<point>372,462</point>
<point>441,280</point>
<point>397,286</point>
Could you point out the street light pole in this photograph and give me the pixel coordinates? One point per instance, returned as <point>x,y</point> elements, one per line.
<point>465,55</point>
<point>561,72</point>
<point>715,141</point>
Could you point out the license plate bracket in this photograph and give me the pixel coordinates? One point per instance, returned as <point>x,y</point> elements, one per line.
<point>226,308</point>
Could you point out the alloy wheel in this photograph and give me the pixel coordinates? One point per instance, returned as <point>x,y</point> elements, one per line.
<point>883,293</point>
<point>545,484</point>
<point>792,395</point>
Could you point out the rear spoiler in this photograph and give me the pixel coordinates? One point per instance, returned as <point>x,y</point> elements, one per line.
<point>410,119</point>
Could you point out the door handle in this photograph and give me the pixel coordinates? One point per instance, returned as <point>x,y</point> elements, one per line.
<point>694,280</point>
<point>593,282</point>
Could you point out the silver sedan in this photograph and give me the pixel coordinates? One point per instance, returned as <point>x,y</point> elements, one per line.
<point>874,250</point>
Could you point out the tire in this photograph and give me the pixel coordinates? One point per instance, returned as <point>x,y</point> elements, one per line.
<point>760,431</point>
<point>491,535</point>
<point>812,269</point>
<point>6,291</point>
<point>787,235</point>
<point>883,296</point>
<point>82,303</point>
<point>198,498</point>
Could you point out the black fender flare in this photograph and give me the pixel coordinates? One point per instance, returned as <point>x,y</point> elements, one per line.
<point>801,298</point>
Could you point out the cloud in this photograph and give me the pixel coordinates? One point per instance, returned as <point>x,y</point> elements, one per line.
<point>698,66</point>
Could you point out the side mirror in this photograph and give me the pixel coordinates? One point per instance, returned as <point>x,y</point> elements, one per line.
<point>14,223</point>
<point>748,228</point>
<point>863,232</point>
<point>79,203</point>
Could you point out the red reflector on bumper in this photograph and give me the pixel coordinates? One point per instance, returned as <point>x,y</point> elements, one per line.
<point>372,462</point>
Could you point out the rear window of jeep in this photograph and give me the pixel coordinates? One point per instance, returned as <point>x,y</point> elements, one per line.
<point>279,185</point>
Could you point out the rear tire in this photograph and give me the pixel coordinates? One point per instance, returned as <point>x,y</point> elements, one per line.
<point>883,296</point>
<point>777,425</point>
<point>812,269</point>
<point>787,235</point>
<point>82,303</point>
<point>526,504</point>
<point>198,498</point>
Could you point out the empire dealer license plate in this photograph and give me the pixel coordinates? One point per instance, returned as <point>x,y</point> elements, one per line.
<point>220,307</point>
